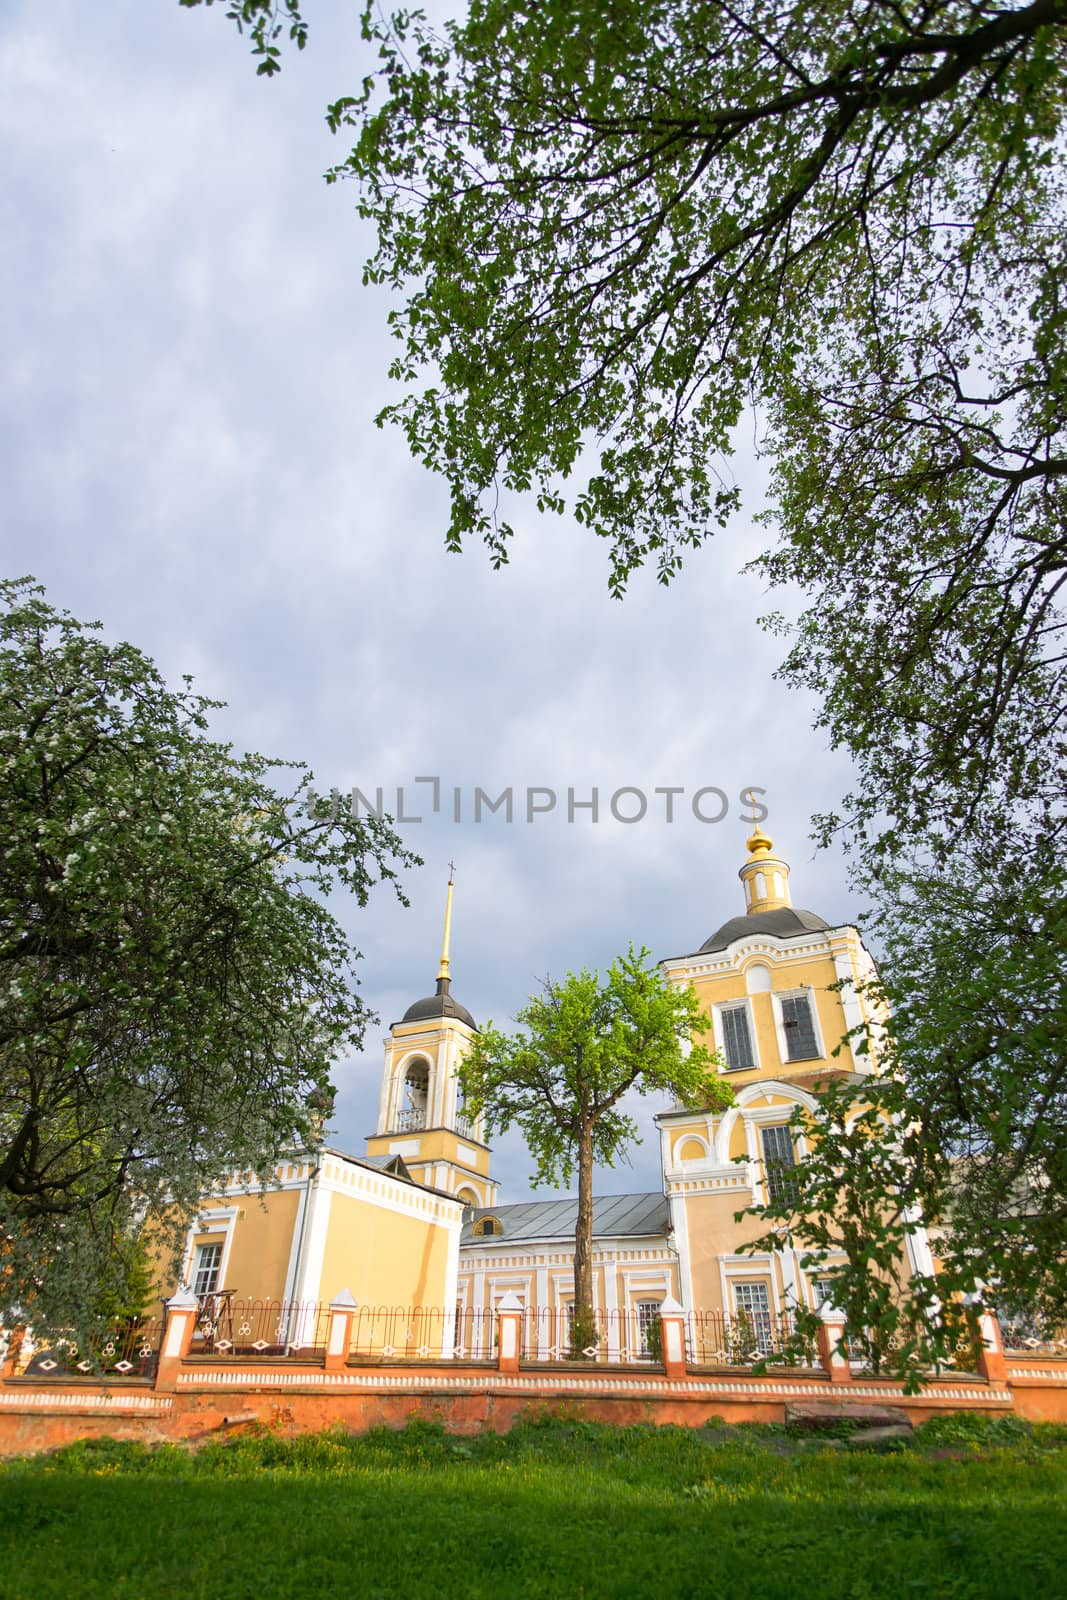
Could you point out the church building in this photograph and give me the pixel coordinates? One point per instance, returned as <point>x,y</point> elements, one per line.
<point>785,991</point>
<point>417,1219</point>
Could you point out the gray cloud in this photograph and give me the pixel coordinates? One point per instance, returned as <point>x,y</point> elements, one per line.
<point>188,453</point>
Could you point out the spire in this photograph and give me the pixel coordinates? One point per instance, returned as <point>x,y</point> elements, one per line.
<point>443,979</point>
<point>764,875</point>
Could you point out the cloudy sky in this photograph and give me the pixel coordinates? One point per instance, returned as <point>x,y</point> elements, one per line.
<point>188,453</point>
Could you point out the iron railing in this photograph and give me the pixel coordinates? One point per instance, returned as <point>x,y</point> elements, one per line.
<point>715,1338</point>
<point>620,1336</point>
<point>1029,1335</point>
<point>129,1350</point>
<point>248,1328</point>
<point>422,1333</point>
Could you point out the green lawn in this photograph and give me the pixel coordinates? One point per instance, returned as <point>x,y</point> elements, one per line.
<point>556,1508</point>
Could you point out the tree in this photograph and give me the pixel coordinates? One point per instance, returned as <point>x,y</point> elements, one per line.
<point>614,228</point>
<point>267,22</point>
<point>174,987</point>
<point>586,1044</point>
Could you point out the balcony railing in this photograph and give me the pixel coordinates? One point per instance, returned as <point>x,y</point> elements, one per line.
<point>411,1121</point>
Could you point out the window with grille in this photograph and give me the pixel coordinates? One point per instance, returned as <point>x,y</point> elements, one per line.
<point>799,1026</point>
<point>779,1160</point>
<point>206,1268</point>
<point>753,1330</point>
<point>824,1292</point>
<point>736,1038</point>
<point>646,1329</point>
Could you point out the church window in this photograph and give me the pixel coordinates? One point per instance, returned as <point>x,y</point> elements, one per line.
<point>647,1326</point>
<point>206,1268</point>
<point>779,1159</point>
<point>798,1025</point>
<point>737,1038</point>
<point>753,1330</point>
<point>824,1292</point>
<point>412,1114</point>
<point>487,1228</point>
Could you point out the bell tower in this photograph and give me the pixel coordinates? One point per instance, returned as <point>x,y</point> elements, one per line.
<point>420,1112</point>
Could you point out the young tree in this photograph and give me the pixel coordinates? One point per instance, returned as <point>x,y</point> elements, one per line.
<point>587,1043</point>
<point>174,988</point>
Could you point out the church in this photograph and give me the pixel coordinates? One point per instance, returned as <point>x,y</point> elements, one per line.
<point>416,1221</point>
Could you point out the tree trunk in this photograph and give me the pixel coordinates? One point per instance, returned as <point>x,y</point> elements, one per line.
<point>583,1332</point>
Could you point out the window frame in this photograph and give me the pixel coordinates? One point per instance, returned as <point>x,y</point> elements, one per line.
<point>202,1290</point>
<point>761,1319</point>
<point>773,1169</point>
<point>647,1314</point>
<point>719,1012</point>
<point>782,1028</point>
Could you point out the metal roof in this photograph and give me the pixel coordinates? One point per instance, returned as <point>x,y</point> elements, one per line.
<point>437,1005</point>
<point>784,923</point>
<point>614,1216</point>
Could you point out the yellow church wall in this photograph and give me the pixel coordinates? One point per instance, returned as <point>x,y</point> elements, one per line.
<point>816,975</point>
<point>258,1257</point>
<point>713,1234</point>
<point>384,1257</point>
<point>255,1230</point>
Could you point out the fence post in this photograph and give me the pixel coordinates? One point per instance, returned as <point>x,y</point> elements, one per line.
<point>991,1363</point>
<point>833,1353</point>
<point>339,1333</point>
<point>509,1317</point>
<point>182,1309</point>
<point>672,1337</point>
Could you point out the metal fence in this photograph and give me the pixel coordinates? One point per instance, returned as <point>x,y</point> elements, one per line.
<point>248,1329</point>
<point>129,1350</point>
<point>715,1338</point>
<point>422,1333</point>
<point>1029,1335</point>
<point>619,1335</point>
<point>229,1325</point>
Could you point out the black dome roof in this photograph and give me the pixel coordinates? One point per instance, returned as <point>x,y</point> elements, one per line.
<point>784,923</point>
<point>438,1005</point>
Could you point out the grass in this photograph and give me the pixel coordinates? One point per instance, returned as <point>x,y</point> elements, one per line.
<point>556,1508</point>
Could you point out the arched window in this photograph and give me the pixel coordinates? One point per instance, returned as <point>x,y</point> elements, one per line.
<point>487,1228</point>
<point>412,1112</point>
